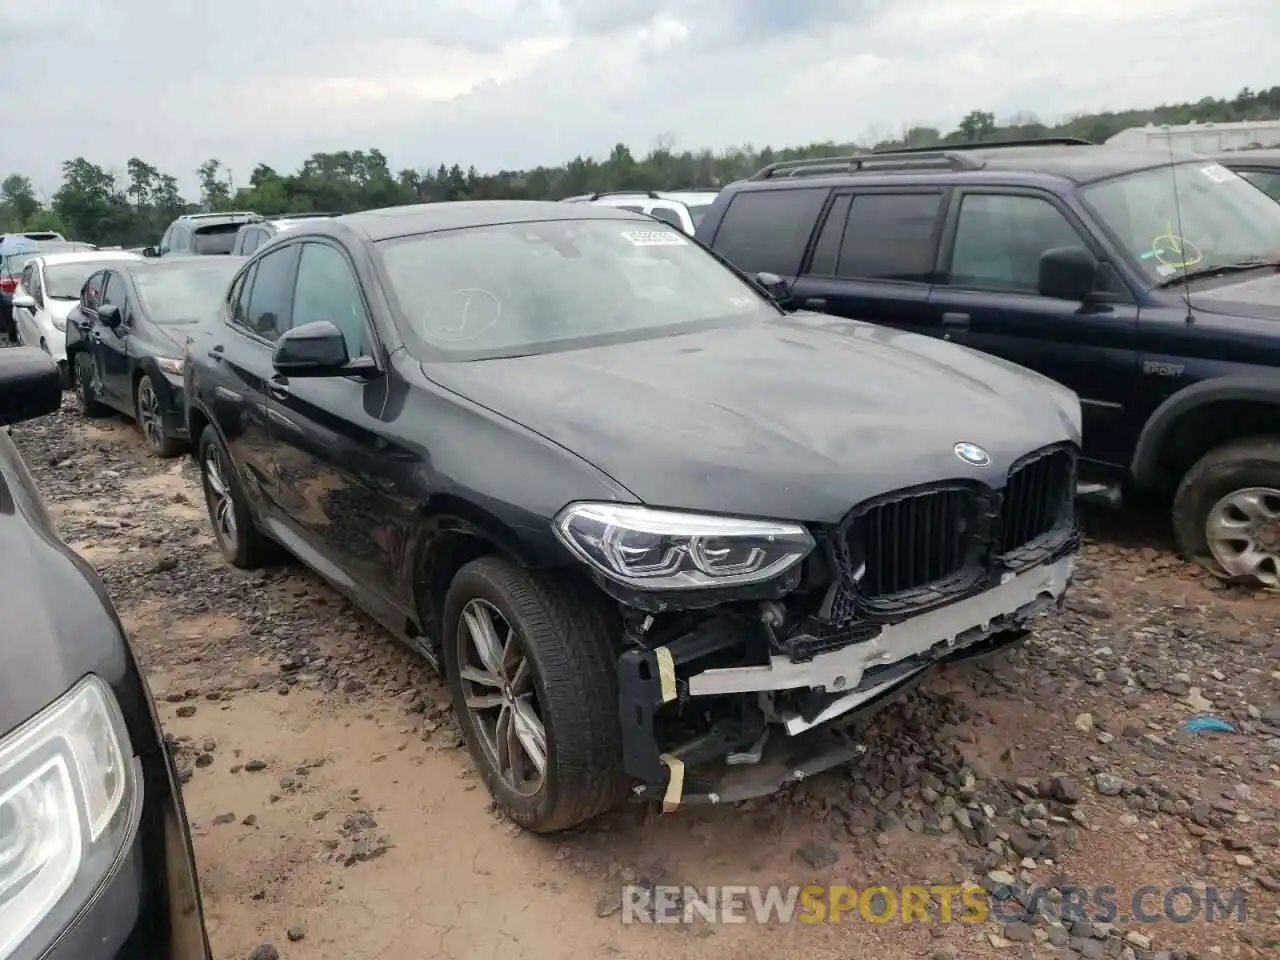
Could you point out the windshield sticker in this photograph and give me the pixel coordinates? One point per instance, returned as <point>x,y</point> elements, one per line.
<point>1165,270</point>
<point>655,238</point>
<point>1173,251</point>
<point>1218,173</point>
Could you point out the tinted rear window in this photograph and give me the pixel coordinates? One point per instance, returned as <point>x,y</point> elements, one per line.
<point>769,229</point>
<point>886,236</point>
<point>215,238</point>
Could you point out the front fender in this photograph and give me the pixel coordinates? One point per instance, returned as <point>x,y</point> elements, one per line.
<point>1146,456</point>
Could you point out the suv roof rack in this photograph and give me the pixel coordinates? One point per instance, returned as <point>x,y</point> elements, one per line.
<point>221,213</point>
<point>946,156</point>
<point>991,145</point>
<point>651,194</point>
<point>308,215</point>
<point>933,159</point>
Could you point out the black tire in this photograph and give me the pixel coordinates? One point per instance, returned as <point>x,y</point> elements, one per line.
<point>86,397</point>
<point>244,545</point>
<point>151,421</point>
<point>66,377</point>
<point>566,638</point>
<point>1236,466</point>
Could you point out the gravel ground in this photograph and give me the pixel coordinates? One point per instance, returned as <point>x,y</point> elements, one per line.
<point>335,814</point>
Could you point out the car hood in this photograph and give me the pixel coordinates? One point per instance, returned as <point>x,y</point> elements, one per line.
<point>1257,296</point>
<point>796,418</point>
<point>60,625</point>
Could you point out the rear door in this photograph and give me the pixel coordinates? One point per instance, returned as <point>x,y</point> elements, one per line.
<point>768,230</point>
<point>989,299</point>
<point>238,364</point>
<point>874,257</point>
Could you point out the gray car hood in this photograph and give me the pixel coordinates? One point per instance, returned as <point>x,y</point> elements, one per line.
<point>796,418</point>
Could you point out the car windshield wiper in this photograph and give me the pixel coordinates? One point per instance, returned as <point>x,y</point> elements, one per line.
<point>1218,270</point>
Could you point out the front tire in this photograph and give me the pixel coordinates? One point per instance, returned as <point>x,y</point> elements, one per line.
<point>86,396</point>
<point>241,542</point>
<point>532,672</point>
<point>1226,512</point>
<point>151,422</point>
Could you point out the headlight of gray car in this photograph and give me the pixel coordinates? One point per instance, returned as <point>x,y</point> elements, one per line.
<point>67,789</point>
<point>669,550</point>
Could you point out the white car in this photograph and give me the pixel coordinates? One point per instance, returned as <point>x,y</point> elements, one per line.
<point>680,208</point>
<point>49,288</point>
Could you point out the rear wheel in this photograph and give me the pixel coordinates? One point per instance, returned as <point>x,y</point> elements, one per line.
<point>241,542</point>
<point>86,394</point>
<point>531,669</point>
<point>151,421</point>
<point>1226,513</point>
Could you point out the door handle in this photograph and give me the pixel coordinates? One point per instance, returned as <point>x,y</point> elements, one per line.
<point>277,389</point>
<point>956,321</point>
<point>216,354</point>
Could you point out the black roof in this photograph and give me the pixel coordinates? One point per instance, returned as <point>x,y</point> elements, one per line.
<point>430,217</point>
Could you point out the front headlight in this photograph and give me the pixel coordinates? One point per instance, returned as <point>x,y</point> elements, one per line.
<point>59,323</point>
<point>668,550</point>
<point>171,365</point>
<point>66,792</point>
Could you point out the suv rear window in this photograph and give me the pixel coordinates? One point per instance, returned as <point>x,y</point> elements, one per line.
<point>886,236</point>
<point>215,238</point>
<point>769,229</point>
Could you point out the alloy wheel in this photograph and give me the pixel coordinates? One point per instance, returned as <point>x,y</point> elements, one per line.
<point>497,682</point>
<point>217,491</point>
<point>1243,533</point>
<point>149,416</point>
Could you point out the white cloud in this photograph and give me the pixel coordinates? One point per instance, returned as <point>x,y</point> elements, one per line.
<point>512,83</point>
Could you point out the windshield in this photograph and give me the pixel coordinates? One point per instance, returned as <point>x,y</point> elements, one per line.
<point>1214,219</point>
<point>171,294</point>
<point>11,265</point>
<point>526,288</point>
<point>62,281</point>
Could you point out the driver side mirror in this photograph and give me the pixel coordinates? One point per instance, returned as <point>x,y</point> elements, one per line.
<point>1068,273</point>
<point>29,385</point>
<point>24,301</point>
<point>315,349</point>
<point>109,314</point>
<point>775,286</point>
<point>151,251</point>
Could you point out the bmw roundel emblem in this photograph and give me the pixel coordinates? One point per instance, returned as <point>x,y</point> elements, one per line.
<point>972,454</point>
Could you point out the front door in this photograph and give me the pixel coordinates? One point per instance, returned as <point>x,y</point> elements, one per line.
<point>873,258</point>
<point>111,347</point>
<point>988,299</point>
<point>336,463</point>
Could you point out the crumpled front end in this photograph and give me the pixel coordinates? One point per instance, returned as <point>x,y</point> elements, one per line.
<point>728,701</point>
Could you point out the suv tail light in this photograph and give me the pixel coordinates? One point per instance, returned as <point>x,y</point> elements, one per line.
<point>8,284</point>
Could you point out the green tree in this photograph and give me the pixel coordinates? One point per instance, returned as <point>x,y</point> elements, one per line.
<point>215,189</point>
<point>977,125</point>
<point>90,203</point>
<point>16,192</point>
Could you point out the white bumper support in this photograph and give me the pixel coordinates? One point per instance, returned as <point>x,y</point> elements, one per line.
<point>843,669</point>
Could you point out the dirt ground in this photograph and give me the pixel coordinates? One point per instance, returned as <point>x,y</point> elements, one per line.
<point>336,814</point>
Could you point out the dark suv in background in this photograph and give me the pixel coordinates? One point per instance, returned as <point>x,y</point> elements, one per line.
<point>253,235</point>
<point>1144,281</point>
<point>201,234</point>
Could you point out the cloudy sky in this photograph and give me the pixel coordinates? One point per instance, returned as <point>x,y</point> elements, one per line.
<point>514,83</point>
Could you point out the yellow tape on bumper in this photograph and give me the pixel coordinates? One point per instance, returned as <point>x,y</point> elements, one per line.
<point>666,673</point>
<point>675,784</point>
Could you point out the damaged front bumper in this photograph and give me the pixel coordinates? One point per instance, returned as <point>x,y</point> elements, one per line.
<point>797,702</point>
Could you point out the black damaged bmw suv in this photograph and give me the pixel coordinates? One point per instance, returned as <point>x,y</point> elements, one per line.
<point>95,855</point>
<point>661,535</point>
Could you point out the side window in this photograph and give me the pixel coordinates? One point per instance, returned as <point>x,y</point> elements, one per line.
<point>28,279</point>
<point>36,288</point>
<point>885,236</point>
<point>769,229</point>
<point>115,294</point>
<point>271,293</point>
<point>91,294</point>
<point>252,240</point>
<point>999,240</point>
<point>1268,181</point>
<point>327,289</point>
<point>166,240</point>
<point>238,297</point>
<point>178,239</point>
